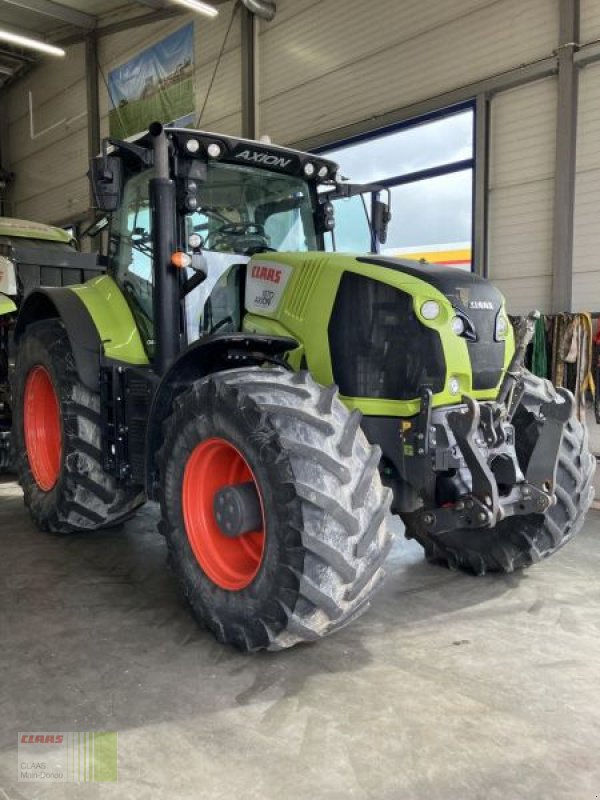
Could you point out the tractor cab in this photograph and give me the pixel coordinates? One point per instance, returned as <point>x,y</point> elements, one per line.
<point>232,199</point>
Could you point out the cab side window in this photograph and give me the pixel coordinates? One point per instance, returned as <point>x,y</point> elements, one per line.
<point>131,254</point>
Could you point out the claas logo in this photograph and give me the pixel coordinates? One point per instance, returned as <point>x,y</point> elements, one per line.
<point>270,274</point>
<point>38,738</point>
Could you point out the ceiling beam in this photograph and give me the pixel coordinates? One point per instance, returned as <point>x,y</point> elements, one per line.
<point>20,58</point>
<point>151,3</point>
<point>166,12</point>
<point>49,8</point>
<point>123,25</point>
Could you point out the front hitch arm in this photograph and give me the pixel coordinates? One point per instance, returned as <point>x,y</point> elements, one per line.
<point>541,470</point>
<point>465,426</point>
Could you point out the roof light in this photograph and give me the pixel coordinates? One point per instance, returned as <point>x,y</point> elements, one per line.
<point>201,8</point>
<point>31,44</point>
<point>322,173</point>
<point>309,169</point>
<point>214,149</point>
<point>192,145</point>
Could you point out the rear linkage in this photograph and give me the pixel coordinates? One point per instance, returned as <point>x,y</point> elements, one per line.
<point>477,441</point>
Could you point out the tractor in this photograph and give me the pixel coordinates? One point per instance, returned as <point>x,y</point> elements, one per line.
<point>31,255</point>
<point>278,398</point>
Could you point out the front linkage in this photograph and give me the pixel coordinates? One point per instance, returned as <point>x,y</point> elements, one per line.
<point>475,443</point>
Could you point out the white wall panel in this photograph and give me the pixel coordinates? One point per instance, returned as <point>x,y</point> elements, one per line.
<point>342,60</point>
<point>49,165</point>
<point>589,21</point>
<point>521,189</point>
<point>586,249</point>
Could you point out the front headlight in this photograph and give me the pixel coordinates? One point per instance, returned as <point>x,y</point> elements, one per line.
<point>430,310</point>
<point>458,325</point>
<point>501,326</point>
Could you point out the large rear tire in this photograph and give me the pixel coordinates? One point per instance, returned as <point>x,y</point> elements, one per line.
<point>57,434</point>
<point>315,559</point>
<point>520,541</point>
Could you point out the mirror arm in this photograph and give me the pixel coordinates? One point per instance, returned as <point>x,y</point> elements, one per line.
<point>345,190</point>
<point>192,282</point>
<point>144,155</point>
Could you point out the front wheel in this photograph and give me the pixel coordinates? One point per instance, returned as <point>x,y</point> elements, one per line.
<point>272,507</point>
<point>520,541</point>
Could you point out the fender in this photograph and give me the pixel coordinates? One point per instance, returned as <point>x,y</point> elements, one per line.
<point>7,306</point>
<point>64,304</point>
<point>204,357</point>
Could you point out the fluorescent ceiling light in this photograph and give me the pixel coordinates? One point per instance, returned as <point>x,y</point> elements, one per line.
<point>31,44</point>
<point>201,8</point>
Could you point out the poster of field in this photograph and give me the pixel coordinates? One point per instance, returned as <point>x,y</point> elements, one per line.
<point>154,85</point>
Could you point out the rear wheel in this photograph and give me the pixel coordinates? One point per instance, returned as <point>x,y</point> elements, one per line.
<point>57,434</point>
<point>521,541</point>
<point>284,454</point>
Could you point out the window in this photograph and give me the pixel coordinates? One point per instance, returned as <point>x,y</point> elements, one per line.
<point>131,253</point>
<point>428,167</point>
<point>243,210</point>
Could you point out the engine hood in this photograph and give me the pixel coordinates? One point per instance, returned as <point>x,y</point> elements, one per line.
<point>467,292</point>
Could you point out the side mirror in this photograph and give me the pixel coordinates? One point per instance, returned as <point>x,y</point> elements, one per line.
<point>106,178</point>
<point>381,218</point>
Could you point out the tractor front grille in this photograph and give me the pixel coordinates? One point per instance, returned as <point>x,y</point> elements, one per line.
<point>378,347</point>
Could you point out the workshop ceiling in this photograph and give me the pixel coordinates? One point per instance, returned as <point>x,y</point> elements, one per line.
<point>63,22</point>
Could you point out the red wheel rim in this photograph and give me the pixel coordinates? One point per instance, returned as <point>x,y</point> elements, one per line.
<point>42,428</point>
<point>231,563</point>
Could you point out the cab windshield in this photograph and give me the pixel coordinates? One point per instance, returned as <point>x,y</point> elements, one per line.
<point>244,210</point>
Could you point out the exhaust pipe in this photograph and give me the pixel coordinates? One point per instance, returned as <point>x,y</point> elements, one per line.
<point>166,297</point>
<point>265,9</point>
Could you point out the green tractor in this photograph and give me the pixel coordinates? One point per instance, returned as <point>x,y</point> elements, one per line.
<point>278,398</point>
<point>31,255</point>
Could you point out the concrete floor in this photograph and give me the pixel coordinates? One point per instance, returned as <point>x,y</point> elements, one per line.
<point>449,687</point>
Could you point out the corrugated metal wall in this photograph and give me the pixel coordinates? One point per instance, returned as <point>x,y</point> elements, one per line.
<point>50,183</point>
<point>334,62</point>
<point>522,139</point>
<point>586,247</point>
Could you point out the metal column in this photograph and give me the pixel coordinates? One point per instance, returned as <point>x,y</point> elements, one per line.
<point>93,103</point>
<point>480,183</point>
<point>564,172</point>
<point>249,22</point>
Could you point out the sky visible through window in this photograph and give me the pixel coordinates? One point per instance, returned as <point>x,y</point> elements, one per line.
<point>429,212</point>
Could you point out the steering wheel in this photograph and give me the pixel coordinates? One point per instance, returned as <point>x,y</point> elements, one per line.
<point>239,236</point>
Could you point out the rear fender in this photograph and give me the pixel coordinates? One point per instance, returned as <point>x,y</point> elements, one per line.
<point>205,357</point>
<point>84,339</point>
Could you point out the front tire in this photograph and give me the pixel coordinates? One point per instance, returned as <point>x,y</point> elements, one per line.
<point>316,558</point>
<point>520,541</point>
<point>57,434</point>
